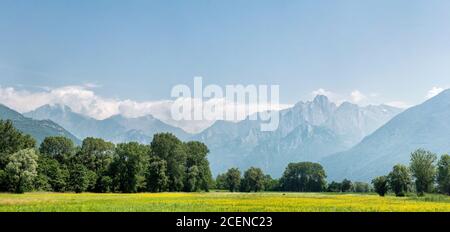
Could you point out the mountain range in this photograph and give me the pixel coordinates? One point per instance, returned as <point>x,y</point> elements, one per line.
<point>116,129</point>
<point>350,141</point>
<point>424,126</point>
<point>39,129</point>
<point>308,131</point>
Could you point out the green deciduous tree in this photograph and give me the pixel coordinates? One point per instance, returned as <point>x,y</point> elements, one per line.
<point>361,187</point>
<point>346,186</point>
<point>157,180</point>
<point>221,182</point>
<point>78,178</point>
<point>192,178</point>
<point>169,148</point>
<point>334,187</point>
<point>21,171</point>
<point>52,175</point>
<point>96,154</point>
<point>399,180</point>
<point>104,184</point>
<point>12,141</point>
<point>253,180</point>
<point>60,148</point>
<point>129,166</point>
<point>381,185</point>
<point>303,177</point>
<point>270,184</point>
<point>197,165</point>
<point>443,175</point>
<point>233,179</point>
<point>423,170</point>
<point>92,181</point>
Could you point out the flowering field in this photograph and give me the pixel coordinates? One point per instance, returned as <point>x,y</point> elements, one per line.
<point>219,202</point>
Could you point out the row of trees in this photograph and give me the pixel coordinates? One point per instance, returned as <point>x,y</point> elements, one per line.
<point>349,186</point>
<point>253,180</point>
<point>298,177</point>
<point>422,176</point>
<point>167,164</point>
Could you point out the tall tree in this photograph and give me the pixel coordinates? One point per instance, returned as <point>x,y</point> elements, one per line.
<point>233,179</point>
<point>97,155</point>
<point>52,175</point>
<point>129,167</point>
<point>78,178</point>
<point>157,180</point>
<point>192,178</point>
<point>381,186</point>
<point>221,181</point>
<point>270,184</point>
<point>197,165</point>
<point>12,141</point>
<point>253,180</point>
<point>59,148</point>
<point>346,186</point>
<point>303,177</point>
<point>21,170</point>
<point>169,148</point>
<point>443,176</point>
<point>400,180</point>
<point>423,170</point>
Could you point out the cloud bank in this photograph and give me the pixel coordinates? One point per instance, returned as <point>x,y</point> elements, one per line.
<point>83,99</point>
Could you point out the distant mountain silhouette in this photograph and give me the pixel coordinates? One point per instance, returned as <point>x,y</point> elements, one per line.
<point>424,126</point>
<point>115,129</point>
<point>308,131</point>
<point>39,129</point>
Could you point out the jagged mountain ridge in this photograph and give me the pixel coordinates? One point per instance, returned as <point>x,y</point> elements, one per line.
<point>307,131</point>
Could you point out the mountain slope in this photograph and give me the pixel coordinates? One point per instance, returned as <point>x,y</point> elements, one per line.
<point>425,126</point>
<point>39,129</point>
<point>116,129</point>
<point>307,132</point>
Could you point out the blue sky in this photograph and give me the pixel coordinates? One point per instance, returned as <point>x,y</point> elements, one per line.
<point>387,50</point>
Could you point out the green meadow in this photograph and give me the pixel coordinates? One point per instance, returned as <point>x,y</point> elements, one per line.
<point>219,202</point>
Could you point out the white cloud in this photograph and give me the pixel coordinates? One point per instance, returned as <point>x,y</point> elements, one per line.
<point>322,92</point>
<point>357,96</point>
<point>334,97</point>
<point>83,100</point>
<point>22,100</point>
<point>434,92</point>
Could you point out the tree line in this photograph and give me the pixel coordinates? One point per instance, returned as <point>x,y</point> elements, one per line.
<point>298,177</point>
<point>166,164</point>
<point>425,174</point>
<point>170,165</point>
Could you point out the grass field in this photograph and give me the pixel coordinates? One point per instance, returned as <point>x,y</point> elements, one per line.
<point>218,202</point>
